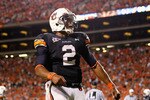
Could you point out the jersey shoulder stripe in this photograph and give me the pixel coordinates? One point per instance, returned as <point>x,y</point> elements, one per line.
<point>41,39</point>
<point>39,42</point>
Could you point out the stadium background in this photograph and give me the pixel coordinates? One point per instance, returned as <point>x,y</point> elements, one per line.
<point>119,31</point>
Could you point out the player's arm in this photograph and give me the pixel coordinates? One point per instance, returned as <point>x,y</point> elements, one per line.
<point>101,73</point>
<point>99,69</point>
<point>41,71</point>
<point>41,60</point>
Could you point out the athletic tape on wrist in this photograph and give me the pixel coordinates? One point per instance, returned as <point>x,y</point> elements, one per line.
<point>50,76</point>
<point>110,86</point>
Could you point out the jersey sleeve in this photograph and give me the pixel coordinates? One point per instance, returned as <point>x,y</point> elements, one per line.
<point>85,52</point>
<point>39,41</point>
<point>41,49</point>
<point>88,56</point>
<point>85,38</point>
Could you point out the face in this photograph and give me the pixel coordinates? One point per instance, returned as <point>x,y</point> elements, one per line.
<point>131,93</point>
<point>68,21</point>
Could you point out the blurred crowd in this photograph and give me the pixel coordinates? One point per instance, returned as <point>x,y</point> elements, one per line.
<point>128,68</point>
<point>16,11</point>
<point>17,74</point>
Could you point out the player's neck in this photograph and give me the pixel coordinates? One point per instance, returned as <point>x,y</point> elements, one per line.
<point>61,34</point>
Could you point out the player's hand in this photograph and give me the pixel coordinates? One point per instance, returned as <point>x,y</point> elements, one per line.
<point>116,94</point>
<point>59,80</point>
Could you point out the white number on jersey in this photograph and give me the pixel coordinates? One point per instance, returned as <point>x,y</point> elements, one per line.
<point>67,55</point>
<point>92,95</point>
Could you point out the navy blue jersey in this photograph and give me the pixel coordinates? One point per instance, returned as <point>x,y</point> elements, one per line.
<point>62,54</point>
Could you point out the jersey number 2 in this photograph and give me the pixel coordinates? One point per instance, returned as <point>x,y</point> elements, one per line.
<point>68,55</point>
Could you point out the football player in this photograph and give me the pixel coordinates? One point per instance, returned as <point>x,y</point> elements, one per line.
<point>2,92</point>
<point>58,58</point>
<point>131,95</point>
<point>146,94</point>
<point>94,93</point>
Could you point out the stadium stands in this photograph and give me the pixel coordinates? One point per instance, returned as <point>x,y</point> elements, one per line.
<point>16,11</point>
<point>18,76</point>
<point>128,67</point>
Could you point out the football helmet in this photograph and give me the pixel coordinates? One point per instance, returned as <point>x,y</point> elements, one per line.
<point>146,92</point>
<point>62,19</point>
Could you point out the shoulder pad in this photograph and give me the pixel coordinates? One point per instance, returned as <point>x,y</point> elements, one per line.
<point>41,40</point>
<point>83,36</point>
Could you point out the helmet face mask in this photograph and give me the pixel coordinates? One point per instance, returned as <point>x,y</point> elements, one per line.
<point>62,20</point>
<point>68,20</point>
